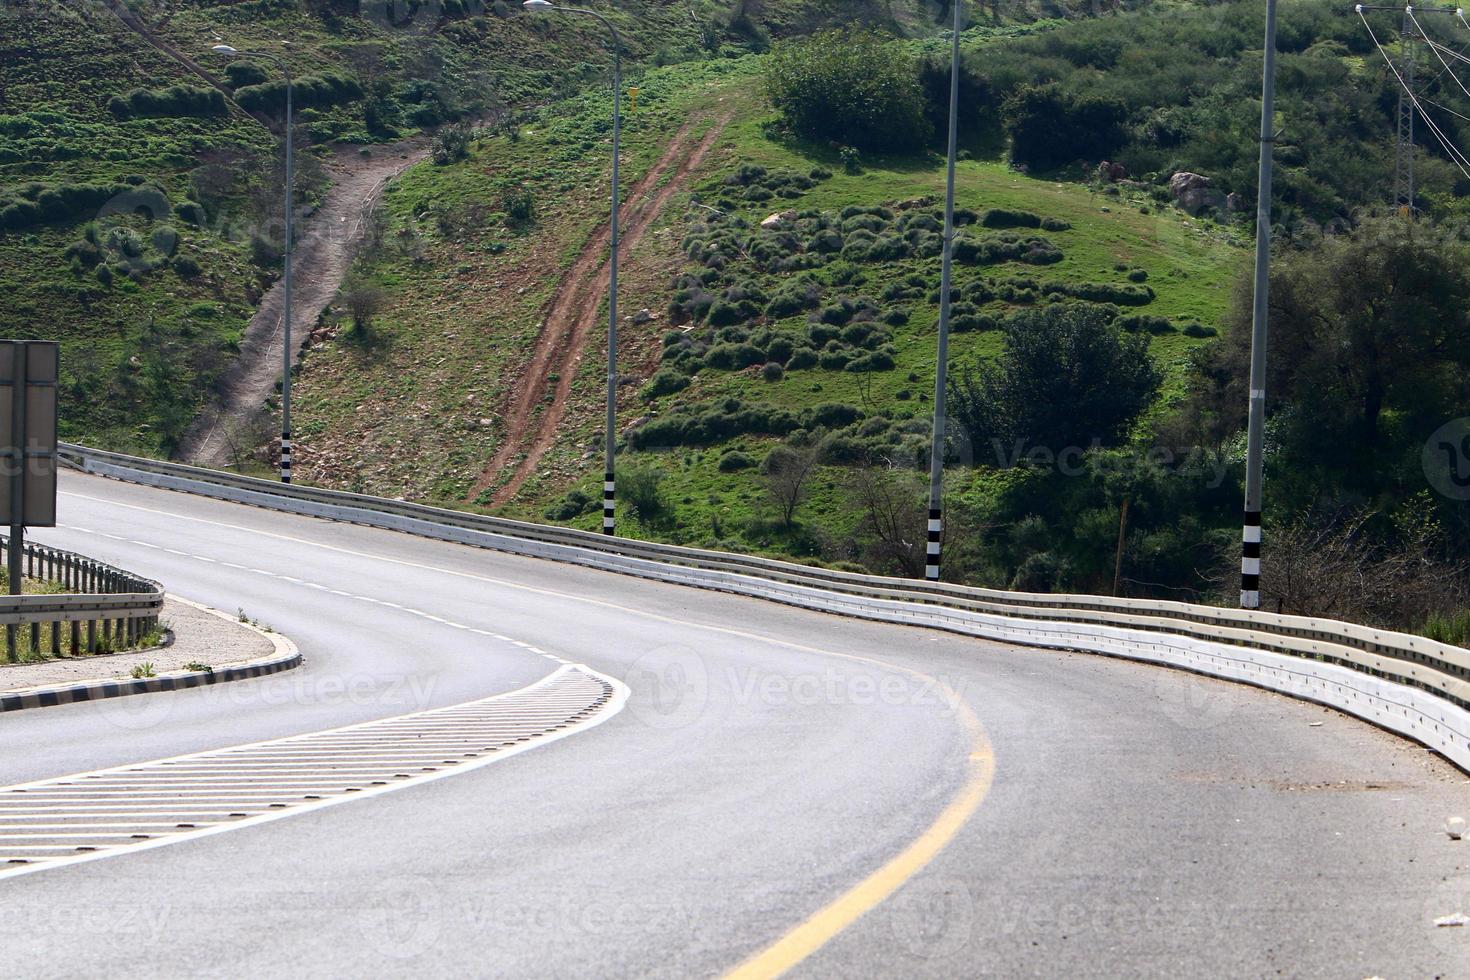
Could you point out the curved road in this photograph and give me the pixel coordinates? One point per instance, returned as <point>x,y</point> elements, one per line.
<point>780,782</point>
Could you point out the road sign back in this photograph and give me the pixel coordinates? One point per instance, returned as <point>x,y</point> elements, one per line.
<point>28,420</point>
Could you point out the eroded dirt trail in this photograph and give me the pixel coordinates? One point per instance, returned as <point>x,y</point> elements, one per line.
<point>327,242</point>
<point>573,316</point>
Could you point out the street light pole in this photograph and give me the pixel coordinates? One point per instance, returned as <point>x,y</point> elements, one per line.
<point>1250,561</point>
<point>287,360</point>
<point>936,448</point>
<point>609,486</point>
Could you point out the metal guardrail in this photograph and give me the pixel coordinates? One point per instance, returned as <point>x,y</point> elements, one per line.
<point>1154,630</point>
<point>104,607</point>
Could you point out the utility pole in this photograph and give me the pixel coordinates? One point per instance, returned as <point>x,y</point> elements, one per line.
<point>936,448</point>
<point>610,437</point>
<point>1250,561</point>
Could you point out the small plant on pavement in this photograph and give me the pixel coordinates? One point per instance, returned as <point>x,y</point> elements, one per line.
<point>143,670</point>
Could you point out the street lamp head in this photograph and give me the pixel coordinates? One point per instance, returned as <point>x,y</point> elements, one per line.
<point>535,5</point>
<point>224,49</point>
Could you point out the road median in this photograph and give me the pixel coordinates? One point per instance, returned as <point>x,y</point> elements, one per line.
<point>203,646</point>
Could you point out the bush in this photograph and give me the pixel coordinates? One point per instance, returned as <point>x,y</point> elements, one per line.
<point>1050,127</point>
<point>1055,224</point>
<point>801,359</point>
<point>773,372</point>
<point>639,488</point>
<point>573,505</point>
<point>1138,275</point>
<point>191,212</point>
<point>1002,218</point>
<point>665,382</point>
<point>1199,331</point>
<point>855,88</point>
<point>733,462</point>
<point>734,357</point>
<point>186,267</point>
<point>176,100</point>
<point>245,73</point>
<point>451,145</point>
<point>312,91</point>
<point>519,207</point>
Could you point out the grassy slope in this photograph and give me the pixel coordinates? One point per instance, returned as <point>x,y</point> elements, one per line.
<point>472,314</point>
<point>60,66</point>
<point>62,60</point>
<point>411,405</point>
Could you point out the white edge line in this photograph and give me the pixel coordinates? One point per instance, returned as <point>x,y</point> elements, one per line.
<point>612,708</point>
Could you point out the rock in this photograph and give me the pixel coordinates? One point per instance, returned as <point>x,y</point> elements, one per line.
<point>1191,192</point>
<point>642,316</point>
<point>1111,173</point>
<point>1234,202</point>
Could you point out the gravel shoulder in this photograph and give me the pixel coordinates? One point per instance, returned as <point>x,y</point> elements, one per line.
<point>200,635</point>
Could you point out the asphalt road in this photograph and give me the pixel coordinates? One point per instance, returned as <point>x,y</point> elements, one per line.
<point>1138,822</point>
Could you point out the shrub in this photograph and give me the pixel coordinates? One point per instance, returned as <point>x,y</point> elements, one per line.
<point>176,100</point>
<point>733,462</point>
<point>639,488</point>
<point>191,212</point>
<point>874,361</point>
<point>773,372</point>
<point>801,359</point>
<point>451,145</point>
<point>519,207</point>
<point>1199,330</point>
<point>1138,275</point>
<point>312,91</point>
<point>852,87</point>
<point>1002,218</point>
<point>244,73</point>
<point>573,505</point>
<point>734,357</point>
<point>1055,224</point>
<point>830,415</point>
<point>665,381</point>
<point>1050,127</point>
<point>186,267</point>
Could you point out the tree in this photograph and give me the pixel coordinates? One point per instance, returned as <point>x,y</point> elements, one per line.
<point>363,299</point>
<point>891,514</point>
<point>1366,324</point>
<point>788,471</point>
<point>1050,127</point>
<point>1067,378</point>
<point>851,87</point>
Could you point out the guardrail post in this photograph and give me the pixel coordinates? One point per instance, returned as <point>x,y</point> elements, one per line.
<point>36,638</point>
<point>76,637</point>
<point>56,638</point>
<point>91,636</point>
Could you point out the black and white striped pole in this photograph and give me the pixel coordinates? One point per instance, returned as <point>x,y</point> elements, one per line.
<point>1250,548</point>
<point>287,354</point>
<point>609,492</point>
<point>935,535</point>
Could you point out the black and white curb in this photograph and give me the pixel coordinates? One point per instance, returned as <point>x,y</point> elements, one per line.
<point>284,657</point>
<point>609,524</point>
<point>286,456</point>
<point>936,533</point>
<point>1250,561</point>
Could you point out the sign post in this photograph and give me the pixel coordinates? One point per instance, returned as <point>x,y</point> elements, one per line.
<point>28,376</point>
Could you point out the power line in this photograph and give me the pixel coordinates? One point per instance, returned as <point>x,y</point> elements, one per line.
<point>1457,157</point>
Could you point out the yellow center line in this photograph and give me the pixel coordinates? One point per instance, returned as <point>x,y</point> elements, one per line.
<point>815,932</point>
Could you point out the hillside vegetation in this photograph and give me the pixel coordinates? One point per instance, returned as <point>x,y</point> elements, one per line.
<point>781,287</point>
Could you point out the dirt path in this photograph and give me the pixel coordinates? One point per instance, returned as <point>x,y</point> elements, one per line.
<point>325,248</point>
<point>574,313</point>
